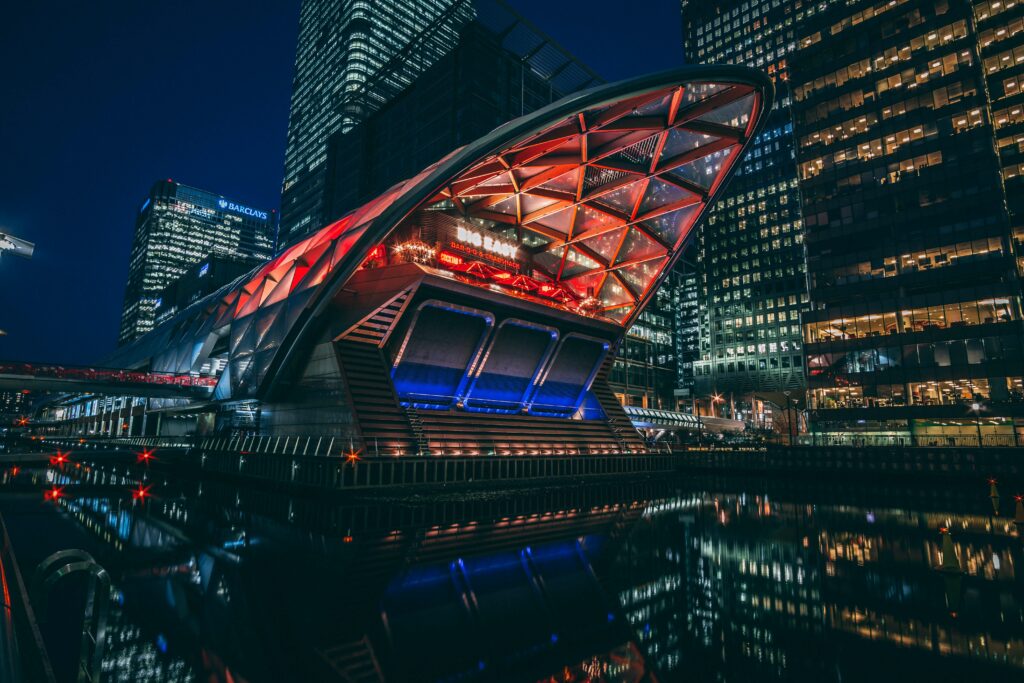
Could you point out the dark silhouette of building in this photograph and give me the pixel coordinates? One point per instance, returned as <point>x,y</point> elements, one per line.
<point>481,83</point>
<point>352,57</point>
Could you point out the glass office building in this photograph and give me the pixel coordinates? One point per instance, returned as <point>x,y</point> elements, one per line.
<point>1000,27</point>
<point>352,57</point>
<point>644,371</point>
<point>750,260</point>
<point>907,145</point>
<point>686,329</point>
<point>176,227</point>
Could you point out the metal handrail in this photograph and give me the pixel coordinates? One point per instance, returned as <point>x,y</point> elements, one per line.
<point>31,657</point>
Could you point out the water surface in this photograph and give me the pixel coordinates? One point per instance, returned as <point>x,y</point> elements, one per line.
<point>676,579</point>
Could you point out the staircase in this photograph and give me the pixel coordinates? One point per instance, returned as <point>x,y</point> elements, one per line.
<point>374,328</point>
<point>382,422</point>
<point>416,424</point>
<point>465,433</point>
<point>354,662</point>
<point>619,423</point>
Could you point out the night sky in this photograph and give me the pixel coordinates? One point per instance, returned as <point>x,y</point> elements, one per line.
<point>100,99</point>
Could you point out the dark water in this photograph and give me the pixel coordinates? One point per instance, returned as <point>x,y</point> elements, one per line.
<point>686,579</point>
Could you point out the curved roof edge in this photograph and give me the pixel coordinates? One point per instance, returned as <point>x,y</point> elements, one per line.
<point>179,344</point>
<point>517,130</point>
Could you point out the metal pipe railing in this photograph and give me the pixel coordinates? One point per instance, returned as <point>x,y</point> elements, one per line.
<point>24,655</point>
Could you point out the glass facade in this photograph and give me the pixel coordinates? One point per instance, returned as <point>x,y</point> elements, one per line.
<point>644,371</point>
<point>686,324</point>
<point>750,250</point>
<point>483,82</point>
<point>905,147</point>
<point>176,228</point>
<point>340,77</point>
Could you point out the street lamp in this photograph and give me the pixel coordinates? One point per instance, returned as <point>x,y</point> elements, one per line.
<point>16,245</point>
<point>790,416</point>
<point>715,398</point>
<point>976,408</point>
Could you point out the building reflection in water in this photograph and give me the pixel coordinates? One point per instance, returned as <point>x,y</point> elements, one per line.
<point>684,580</point>
<point>750,585</point>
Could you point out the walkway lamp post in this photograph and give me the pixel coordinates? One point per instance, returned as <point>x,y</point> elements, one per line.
<point>976,408</point>
<point>716,398</point>
<point>789,416</point>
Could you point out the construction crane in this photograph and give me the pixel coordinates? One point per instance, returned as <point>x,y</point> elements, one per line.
<point>16,245</point>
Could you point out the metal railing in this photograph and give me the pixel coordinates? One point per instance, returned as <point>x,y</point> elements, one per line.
<point>912,441</point>
<point>345,474</point>
<point>115,375</point>
<point>23,655</point>
<point>343,446</point>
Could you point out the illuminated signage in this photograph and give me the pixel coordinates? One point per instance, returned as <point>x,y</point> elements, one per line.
<point>449,259</point>
<point>487,243</point>
<point>204,269</point>
<point>238,208</point>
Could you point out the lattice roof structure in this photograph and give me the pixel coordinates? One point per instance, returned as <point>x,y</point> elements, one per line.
<point>597,193</point>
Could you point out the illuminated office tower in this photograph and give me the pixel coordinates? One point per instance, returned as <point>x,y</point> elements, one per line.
<point>1000,27</point>
<point>909,151</point>
<point>750,252</point>
<point>176,227</point>
<point>686,328</point>
<point>352,57</point>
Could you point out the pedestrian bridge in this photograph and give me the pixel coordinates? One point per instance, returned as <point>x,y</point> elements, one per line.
<point>119,381</point>
<point>673,421</point>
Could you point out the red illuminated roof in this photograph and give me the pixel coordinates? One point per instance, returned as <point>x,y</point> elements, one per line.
<point>603,188</point>
<point>610,193</point>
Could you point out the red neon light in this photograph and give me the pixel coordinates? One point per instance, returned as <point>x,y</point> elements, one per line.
<point>450,258</point>
<point>483,254</point>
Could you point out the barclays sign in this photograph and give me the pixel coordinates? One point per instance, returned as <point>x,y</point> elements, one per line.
<point>238,208</point>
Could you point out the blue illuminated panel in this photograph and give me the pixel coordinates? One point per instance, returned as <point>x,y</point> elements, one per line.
<point>567,379</point>
<point>510,367</point>
<point>441,345</point>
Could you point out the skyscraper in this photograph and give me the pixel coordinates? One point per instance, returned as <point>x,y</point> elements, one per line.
<point>1000,27</point>
<point>750,253</point>
<point>686,324</point>
<point>495,72</point>
<point>352,57</point>
<point>912,218</point>
<point>176,227</point>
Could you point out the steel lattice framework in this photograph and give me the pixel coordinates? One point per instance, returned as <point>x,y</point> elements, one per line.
<point>612,192</point>
<point>601,189</point>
